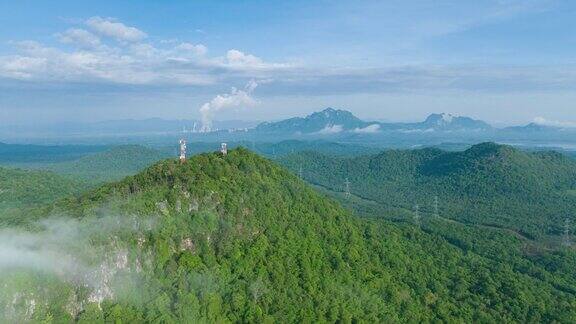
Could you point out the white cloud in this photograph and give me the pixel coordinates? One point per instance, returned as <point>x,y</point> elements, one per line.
<point>194,49</point>
<point>117,30</point>
<point>80,37</point>
<point>94,59</point>
<point>554,123</point>
<point>240,60</point>
<point>370,129</point>
<point>331,129</point>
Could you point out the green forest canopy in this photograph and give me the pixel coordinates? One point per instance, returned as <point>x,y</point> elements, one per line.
<point>240,239</point>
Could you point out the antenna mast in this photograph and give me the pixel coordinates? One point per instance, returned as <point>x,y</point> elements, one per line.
<point>347,192</point>
<point>436,213</point>
<point>223,149</point>
<point>182,150</point>
<point>417,215</point>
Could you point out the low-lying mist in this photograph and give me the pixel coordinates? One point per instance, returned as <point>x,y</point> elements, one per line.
<point>86,255</point>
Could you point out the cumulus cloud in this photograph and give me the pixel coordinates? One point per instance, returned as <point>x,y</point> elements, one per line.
<point>235,98</point>
<point>370,129</point>
<point>240,60</point>
<point>194,49</point>
<point>80,37</point>
<point>106,51</point>
<point>117,30</point>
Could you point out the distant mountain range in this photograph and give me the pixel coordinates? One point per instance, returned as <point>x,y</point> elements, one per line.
<point>337,124</point>
<point>332,121</point>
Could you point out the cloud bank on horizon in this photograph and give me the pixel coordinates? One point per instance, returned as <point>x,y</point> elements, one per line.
<point>408,56</point>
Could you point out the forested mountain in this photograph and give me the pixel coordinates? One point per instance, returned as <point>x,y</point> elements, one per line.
<point>237,238</point>
<point>488,184</point>
<point>21,189</point>
<point>21,153</point>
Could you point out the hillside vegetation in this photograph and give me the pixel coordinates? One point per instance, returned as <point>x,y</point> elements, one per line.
<point>240,239</point>
<point>487,184</point>
<point>23,189</point>
<point>113,164</point>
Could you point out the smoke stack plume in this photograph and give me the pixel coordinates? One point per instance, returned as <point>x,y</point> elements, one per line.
<point>235,98</point>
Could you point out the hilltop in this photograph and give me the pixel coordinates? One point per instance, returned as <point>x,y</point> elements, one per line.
<point>238,238</point>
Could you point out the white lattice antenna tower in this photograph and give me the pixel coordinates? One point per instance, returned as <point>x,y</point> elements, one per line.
<point>566,237</point>
<point>347,192</point>
<point>224,149</point>
<point>300,173</point>
<point>436,213</point>
<point>182,150</point>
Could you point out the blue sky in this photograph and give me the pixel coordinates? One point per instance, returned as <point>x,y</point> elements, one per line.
<point>505,61</point>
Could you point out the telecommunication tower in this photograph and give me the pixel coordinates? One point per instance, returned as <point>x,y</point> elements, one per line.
<point>223,149</point>
<point>182,150</point>
<point>300,173</point>
<point>436,213</point>
<point>347,192</point>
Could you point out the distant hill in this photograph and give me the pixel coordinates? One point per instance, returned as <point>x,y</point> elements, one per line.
<point>275,150</point>
<point>331,121</point>
<point>486,184</point>
<point>23,189</point>
<point>532,128</point>
<point>113,164</point>
<point>451,122</point>
<point>326,121</point>
<point>39,154</point>
<point>240,239</point>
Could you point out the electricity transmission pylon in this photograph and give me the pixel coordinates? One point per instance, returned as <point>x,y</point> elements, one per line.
<point>347,192</point>
<point>566,237</point>
<point>417,215</point>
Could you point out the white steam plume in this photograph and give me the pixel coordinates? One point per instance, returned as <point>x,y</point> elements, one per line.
<point>222,101</point>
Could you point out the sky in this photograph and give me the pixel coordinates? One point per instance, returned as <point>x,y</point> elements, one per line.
<point>503,61</point>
